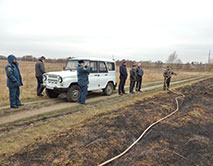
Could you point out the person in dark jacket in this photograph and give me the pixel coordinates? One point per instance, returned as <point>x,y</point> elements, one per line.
<point>123,77</point>
<point>14,81</point>
<point>133,78</point>
<point>167,77</point>
<point>39,71</point>
<point>83,80</point>
<point>140,73</point>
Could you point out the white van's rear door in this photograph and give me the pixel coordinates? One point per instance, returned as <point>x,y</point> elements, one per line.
<point>104,75</point>
<point>94,76</point>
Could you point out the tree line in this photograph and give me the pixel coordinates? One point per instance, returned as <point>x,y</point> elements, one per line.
<point>172,60</point>
<point>34,59</point>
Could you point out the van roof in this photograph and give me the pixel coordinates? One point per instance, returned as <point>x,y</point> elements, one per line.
<point>94,59</point>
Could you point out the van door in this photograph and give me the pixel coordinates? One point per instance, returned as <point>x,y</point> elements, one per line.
<point>93,76</point>
<point>104,75</point>
<point>112,71</point>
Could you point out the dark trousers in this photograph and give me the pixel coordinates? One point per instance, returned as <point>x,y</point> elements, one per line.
<point>83,94</point>
<point>167,83</point>
<point>139,83</point>
<point>40,86</point>
<point>121,85</point>
<point>132,86</point>
<point>14,94</point>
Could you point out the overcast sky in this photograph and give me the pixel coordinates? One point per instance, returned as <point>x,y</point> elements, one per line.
<point>127,29</point>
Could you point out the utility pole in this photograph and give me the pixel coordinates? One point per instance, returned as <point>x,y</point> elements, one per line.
<point>209,59</point>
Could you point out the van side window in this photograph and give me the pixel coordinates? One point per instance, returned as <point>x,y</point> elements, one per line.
<point>111,66</point>
<point>102,67</point>
<point>94,67</point>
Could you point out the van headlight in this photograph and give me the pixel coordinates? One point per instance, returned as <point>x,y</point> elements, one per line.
<point>44,78</point>
<point>60,79</point>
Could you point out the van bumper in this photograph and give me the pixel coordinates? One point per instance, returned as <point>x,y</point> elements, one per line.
<point>59,90</point>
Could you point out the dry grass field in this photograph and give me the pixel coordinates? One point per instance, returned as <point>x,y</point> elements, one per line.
<point>28,91</point>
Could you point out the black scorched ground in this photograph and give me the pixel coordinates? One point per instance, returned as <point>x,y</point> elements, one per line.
<point>185,139</point>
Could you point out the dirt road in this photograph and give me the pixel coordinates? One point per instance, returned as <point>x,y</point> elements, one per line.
<point>51,105</point>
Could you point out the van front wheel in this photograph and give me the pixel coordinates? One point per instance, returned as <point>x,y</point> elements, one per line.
<point>51,93</point>
<point>73,93</point>
<point>109,89</point>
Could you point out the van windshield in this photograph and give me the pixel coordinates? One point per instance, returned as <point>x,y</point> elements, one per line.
<point>72,65</point>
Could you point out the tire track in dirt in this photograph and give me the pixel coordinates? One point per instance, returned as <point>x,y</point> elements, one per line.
<point>49,101</point>
<point>60,104</point>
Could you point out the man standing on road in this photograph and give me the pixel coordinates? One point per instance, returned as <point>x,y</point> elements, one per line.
<point>14,81</point>
<point>123,77</point>
<point>140,73</point>
<point>167,77</point>
<point>133,78</point>
<point>40,70</point>
<point>83,81</point>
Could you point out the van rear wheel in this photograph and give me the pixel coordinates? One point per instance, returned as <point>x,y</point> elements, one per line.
<point>51,93</point>
<point>109,89</point>
<point>73,93</point>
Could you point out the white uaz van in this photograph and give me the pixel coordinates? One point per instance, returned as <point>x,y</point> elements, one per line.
<point>102,76</point>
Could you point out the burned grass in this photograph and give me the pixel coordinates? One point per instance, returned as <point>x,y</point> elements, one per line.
<point>184,139</point>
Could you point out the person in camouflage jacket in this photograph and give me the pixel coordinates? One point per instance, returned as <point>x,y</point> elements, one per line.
<point>167,77</point>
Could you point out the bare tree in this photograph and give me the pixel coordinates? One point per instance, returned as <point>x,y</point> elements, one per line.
<point>172,58</point>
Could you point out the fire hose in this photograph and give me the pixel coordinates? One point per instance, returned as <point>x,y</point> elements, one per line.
<point>146,130</point>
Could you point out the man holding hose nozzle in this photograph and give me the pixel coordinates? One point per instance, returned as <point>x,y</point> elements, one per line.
<point>167,77</point>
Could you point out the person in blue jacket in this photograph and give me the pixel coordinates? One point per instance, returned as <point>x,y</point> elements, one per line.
<point>83,81</point>
<point>14,81</point>
<point>123,77</point>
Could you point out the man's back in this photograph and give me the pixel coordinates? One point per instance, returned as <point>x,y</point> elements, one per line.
<point>123,71</point>
<point>133,74</point>
<point>39,68</point>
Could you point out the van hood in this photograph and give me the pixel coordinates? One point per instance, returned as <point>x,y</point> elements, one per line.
<point>64,73</point>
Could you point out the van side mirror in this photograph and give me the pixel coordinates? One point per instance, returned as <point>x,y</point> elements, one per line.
<point>64,68</point>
